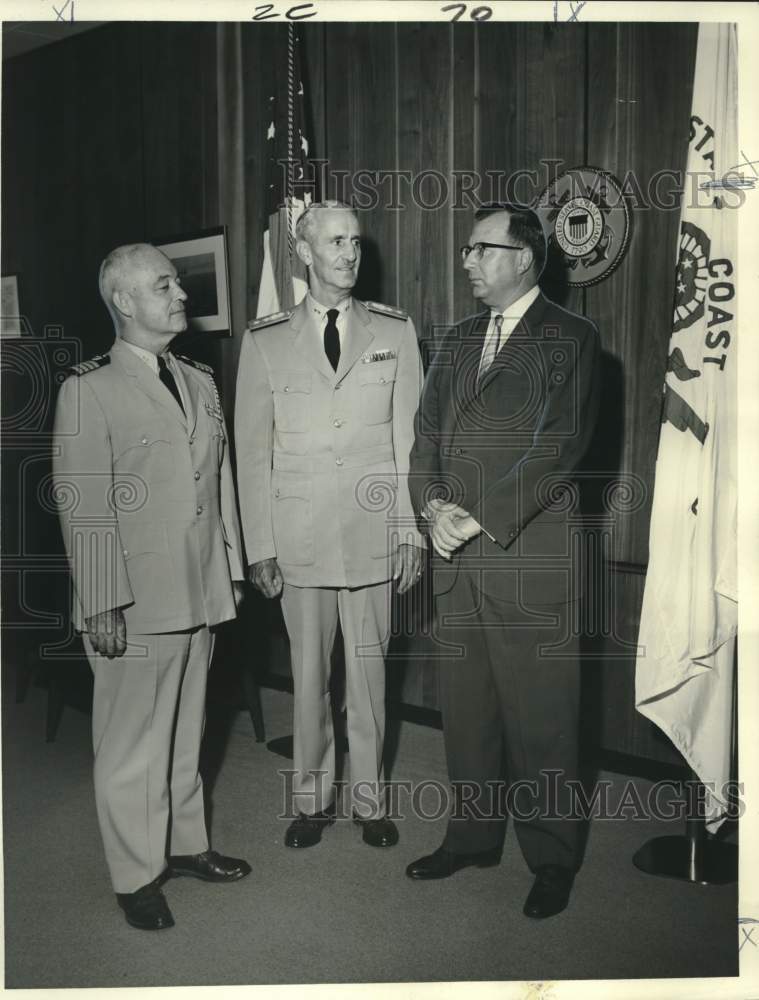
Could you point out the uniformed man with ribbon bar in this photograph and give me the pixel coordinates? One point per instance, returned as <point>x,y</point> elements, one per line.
<point>326,398</point>
<point>146,499</point>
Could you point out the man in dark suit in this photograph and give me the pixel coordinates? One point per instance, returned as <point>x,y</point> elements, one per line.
<point>147,505</point>
<point>507,411</point>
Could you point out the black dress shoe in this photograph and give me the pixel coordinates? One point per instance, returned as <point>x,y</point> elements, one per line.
<point>305,831</point>
<point>550,892</point>
<point>443,863</point>
<point>146,908</point>
<point>209,866</point>
<point>380,832</point>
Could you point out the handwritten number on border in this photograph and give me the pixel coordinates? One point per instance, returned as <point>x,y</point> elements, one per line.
<point>265,12</point>
<point>477,14</point>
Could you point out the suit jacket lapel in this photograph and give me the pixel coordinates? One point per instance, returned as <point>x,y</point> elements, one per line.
<point>146,380</point>
<point>525,329</point>
<point>307,342</point>
<point>467,364</point>
<point>358,336</point>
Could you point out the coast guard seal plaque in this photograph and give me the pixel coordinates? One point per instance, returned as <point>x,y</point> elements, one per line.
<point>585,216</point>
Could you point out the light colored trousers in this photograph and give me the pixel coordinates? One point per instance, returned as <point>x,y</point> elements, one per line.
<point>148,714</point>
<point>311,615</point>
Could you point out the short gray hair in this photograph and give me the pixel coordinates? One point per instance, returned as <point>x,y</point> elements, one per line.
<point>114,271</point>
<point>304,227</point>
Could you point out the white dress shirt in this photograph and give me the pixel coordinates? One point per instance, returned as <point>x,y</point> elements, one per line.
<point>319,313</point>
<point>511,316</point>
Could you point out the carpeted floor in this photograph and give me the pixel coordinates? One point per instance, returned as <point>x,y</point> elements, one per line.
<point>339,912</point>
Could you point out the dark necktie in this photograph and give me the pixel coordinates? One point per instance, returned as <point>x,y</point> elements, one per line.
<point>332,339</point>
<point>164,374</point>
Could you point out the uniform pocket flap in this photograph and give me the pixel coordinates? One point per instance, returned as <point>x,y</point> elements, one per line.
<point>287,382</point>
<point>377,373</point>
<point>292,489</point>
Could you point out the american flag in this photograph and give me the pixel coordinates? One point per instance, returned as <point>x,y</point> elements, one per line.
<point>289,188</point>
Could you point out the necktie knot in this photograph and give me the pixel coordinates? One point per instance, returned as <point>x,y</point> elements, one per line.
<point>332,315</point>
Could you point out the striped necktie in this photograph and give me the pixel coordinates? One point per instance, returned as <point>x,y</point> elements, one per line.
<point>491,347</point>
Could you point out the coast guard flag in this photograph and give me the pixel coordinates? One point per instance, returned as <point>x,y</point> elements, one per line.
<point>283,275</point>
<point>689,620</point>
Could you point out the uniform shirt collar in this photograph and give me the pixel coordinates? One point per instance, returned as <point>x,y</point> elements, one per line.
<point>320,312</point>
<point>148,357</point>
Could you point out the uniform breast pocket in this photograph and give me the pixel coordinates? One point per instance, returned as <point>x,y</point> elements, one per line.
<point>377,381</point>
<point>146,453</point>
<point>292,400</point>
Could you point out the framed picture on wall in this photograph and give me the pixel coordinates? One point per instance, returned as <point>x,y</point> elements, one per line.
<point>201,262</point>
<point>12,323</point>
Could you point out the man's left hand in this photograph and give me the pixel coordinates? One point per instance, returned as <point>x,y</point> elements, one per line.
<point>238,589</point>
<point>408,564</point>
<point>451,527</point>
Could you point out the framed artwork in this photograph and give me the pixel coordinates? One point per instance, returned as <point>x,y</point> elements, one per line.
<point>12,323</point>
<point>201,262</point>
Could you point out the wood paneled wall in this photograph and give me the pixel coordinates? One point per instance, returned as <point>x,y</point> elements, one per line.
<point>111,136</point>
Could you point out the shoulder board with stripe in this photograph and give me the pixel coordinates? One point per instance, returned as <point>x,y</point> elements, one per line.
<point>207,370</point>
<point>200,365</point>
<point>89,366</point>
<point>263,321</point>
<point>378,307</point>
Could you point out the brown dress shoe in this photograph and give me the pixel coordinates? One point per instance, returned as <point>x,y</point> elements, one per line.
<point>146,908</point>
<point>209,866</point>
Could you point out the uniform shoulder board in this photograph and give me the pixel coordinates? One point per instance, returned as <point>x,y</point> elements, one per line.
<point>89,366</point>
<point>378,307</point>
<point>200,365</point>
<point>263,321</point>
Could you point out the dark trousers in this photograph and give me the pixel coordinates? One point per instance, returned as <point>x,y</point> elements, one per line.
<point>508,695</point>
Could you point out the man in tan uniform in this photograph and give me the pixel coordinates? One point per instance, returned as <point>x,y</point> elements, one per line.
<point>146,501</point>
<point>326,397</point>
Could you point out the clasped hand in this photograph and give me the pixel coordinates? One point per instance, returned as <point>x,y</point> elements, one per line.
<point>450,527</point>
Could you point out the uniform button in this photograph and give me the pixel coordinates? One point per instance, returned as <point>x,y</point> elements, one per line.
<point>192,440</point>
<point>276,493</point>
<point>512,534</point>
<point>337,423</point>
<point>337,387</point>
<point>197,476</point>
<point>382,381</point>
<point>199,509</point>
<point>286,388</point>
<point>338,461</point>
<point>144,440</point>
<point>125,552</point>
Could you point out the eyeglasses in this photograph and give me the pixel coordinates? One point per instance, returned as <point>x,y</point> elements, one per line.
<point>479,249</point>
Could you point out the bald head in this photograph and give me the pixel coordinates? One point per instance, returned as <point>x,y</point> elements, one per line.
<point>141,290</point>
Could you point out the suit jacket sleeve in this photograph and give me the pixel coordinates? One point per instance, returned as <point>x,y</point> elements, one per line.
<point>408,387</point>
<point>425,453</point>
<point>559,441</point>
<point>83,484</point>
<point>254,440</point>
